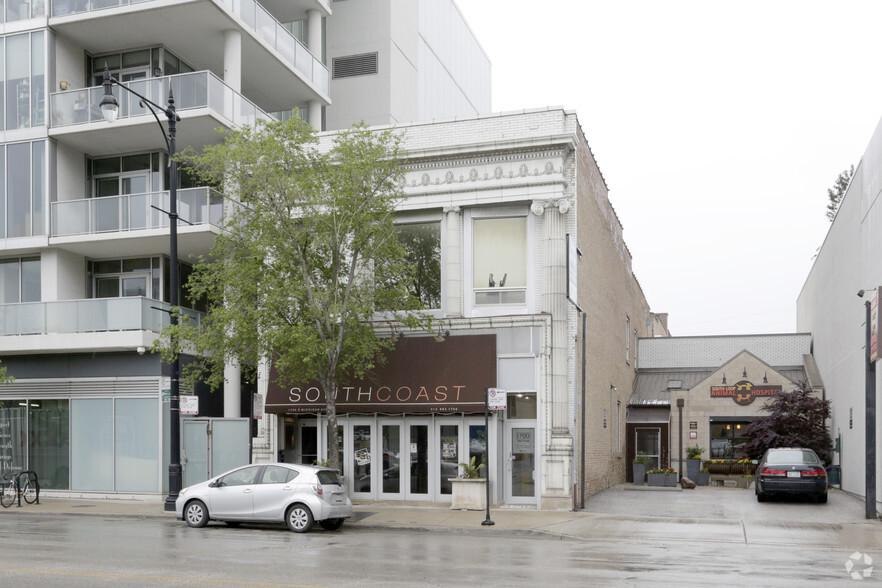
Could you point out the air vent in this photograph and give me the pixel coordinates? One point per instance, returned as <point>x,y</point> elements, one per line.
<point>354,65</point>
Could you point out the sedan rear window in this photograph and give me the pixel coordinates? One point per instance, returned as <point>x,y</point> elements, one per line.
<point>794,456</point>
<point>329,477</point>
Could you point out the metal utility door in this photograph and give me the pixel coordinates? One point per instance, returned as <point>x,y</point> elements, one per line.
<point>210,447</point>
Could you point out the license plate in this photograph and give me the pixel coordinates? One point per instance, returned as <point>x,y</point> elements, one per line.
<point>794,474</point>
<point>338,499</point>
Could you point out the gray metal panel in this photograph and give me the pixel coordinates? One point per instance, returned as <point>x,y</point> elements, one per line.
<point>712,352</point>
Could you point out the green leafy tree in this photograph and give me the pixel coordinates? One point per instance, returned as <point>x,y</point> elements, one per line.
<point>795,419</point>
<point>4,379</point>
<point>836,193</point>
<point>307,259</point>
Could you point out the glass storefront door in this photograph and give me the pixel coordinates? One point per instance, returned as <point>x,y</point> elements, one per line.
<point>520,453</point>
<point>417,480</point>
<point>391,453</point>
<point>447,457</point>
<point>362,458</point>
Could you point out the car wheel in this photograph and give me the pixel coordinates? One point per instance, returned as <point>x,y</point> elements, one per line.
<point>761,496</point>
<point>299,518</point>
<point>822,498</point>
<point>196,514</point>
<point>331,524</point>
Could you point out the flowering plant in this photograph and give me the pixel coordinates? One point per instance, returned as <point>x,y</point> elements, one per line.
<point>667,470</point>
<point>694,452</point>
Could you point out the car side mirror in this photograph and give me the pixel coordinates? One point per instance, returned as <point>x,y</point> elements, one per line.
<point>215,484</point>
<point>754,461</point>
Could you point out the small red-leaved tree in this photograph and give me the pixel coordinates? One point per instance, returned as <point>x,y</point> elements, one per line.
<point>796,419</point>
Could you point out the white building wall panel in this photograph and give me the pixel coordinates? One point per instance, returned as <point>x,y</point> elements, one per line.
<point>680,352</point>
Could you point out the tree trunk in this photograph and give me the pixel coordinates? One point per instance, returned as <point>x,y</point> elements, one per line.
<point>333,438</point>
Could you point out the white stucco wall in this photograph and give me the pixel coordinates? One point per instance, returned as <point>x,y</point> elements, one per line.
<point>828,307</point>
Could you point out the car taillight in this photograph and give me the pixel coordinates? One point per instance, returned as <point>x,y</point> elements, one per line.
<point>317,488</point>
<point>816,473</point>
<point>772,472</point>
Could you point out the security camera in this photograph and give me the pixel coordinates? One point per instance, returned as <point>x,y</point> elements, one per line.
<point>141,350</point>
<point>861,293</point>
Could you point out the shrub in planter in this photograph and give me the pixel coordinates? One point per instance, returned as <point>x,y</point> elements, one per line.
<point>693,461</point>
<point>662,477</point>
<point>703,477</point>
<point>639,468</point>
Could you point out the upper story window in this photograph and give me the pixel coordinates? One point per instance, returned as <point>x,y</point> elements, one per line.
<point>499,260</point>
<point>423,244</point>
<point>19,280</point>
<point>24,79</point>
<point>22,189</point>
<point>23,9</point>
<point>137,65</point>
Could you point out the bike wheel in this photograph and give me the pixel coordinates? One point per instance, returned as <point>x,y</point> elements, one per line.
<point>29,492</point>
<point>7,494</point>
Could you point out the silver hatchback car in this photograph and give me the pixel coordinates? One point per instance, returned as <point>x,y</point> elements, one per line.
<point>297,495</point>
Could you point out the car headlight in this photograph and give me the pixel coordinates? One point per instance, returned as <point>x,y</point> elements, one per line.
<point>182,492</point>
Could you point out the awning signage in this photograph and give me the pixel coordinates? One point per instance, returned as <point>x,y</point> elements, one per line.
<point>421,375</point>
<point>744,392</point>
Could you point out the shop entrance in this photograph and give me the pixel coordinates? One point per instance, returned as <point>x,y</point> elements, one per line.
<point>520,462</point>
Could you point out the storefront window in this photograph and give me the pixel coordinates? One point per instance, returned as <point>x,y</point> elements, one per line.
<point>419,459</point>
<point>49,442</point>
<point>478,446</point>
<point>13,435</point>
<point>391,459</point>
<point>449,462</point>
<point>137,445</point>
<point>91,435</point>
<point>521,406</point>
<point>728,440</point>
<point>361,464</point>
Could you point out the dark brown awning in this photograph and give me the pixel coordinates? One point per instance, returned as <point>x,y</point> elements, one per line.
<point>421,375</point>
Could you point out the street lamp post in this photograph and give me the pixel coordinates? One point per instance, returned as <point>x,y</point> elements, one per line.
<point>110,109</point>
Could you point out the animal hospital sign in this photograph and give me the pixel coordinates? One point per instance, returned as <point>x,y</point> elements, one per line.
<point>744,392</point>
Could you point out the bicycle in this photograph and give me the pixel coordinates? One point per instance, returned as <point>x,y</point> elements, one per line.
<point>8,490</point>
<point>28,489</point>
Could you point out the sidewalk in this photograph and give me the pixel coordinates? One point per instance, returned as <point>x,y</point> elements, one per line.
<point>606,526</point>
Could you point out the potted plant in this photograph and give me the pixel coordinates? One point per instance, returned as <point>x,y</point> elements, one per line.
<point>469,488</point>
<point>744,481</point>
<point>743,466</point>
<point>703,477</point>
<point>693,462</point>
<point>718,466</point>
<point>662,477</point>
<point>639,466</point>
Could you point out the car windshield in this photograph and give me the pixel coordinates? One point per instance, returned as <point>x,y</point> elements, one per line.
<point>792,456</point>
<point>329,477</point>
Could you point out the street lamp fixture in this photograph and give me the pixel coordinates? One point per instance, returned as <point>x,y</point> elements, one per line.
<point>110,109</point>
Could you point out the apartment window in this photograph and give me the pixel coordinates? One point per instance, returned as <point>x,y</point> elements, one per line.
<point>130,174</point>
<point>23,9</point>
<point>22,189</point>
<point>137,65</point>
<point>500,260</point>
<point>24,57</point>
<point>19,280</point>
<point>422,241</point>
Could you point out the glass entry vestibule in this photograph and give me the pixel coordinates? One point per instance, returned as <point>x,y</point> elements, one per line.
<point>407,458</point>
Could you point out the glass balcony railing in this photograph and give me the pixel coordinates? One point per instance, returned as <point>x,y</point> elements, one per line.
<point>201,89</point>
<point>132,212</point>
<point>88,316</point>
<point>258,20</point>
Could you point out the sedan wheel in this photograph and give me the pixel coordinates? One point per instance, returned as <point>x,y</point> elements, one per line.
<point>331,524</point>
<point>822,498</point>
<point>196,514</point>
<point>299,518</point>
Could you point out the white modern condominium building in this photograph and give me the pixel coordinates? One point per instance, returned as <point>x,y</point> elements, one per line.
<point>84,278</point>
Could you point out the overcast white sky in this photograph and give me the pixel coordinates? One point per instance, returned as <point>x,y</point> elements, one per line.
<point>718,126</point>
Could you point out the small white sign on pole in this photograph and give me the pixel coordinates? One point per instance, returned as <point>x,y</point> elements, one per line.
<point>496,399</point>
<point>189,404</point>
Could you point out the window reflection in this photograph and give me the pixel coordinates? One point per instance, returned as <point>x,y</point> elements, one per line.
<point>422,241</point>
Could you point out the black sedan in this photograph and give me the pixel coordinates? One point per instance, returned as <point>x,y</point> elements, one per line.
<point>791,470</point>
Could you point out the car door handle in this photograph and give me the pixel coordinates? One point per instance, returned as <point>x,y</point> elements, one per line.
<point>246,491</point>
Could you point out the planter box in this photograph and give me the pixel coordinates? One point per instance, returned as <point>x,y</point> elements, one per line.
<point>718,468</point>
<point>469,493</point>
<point>639,473</point>
<point>692,468</point>
<point>666,480</point>
<point>743,482</point>
<point>703,479</point>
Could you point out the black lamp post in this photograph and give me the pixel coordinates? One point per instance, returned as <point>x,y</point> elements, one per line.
<point>110,108</point>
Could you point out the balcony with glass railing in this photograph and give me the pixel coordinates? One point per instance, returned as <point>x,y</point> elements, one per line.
<point>254,17</point>
<point>88,316</point>
<point>201,89</point>
<point>132,212</point>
